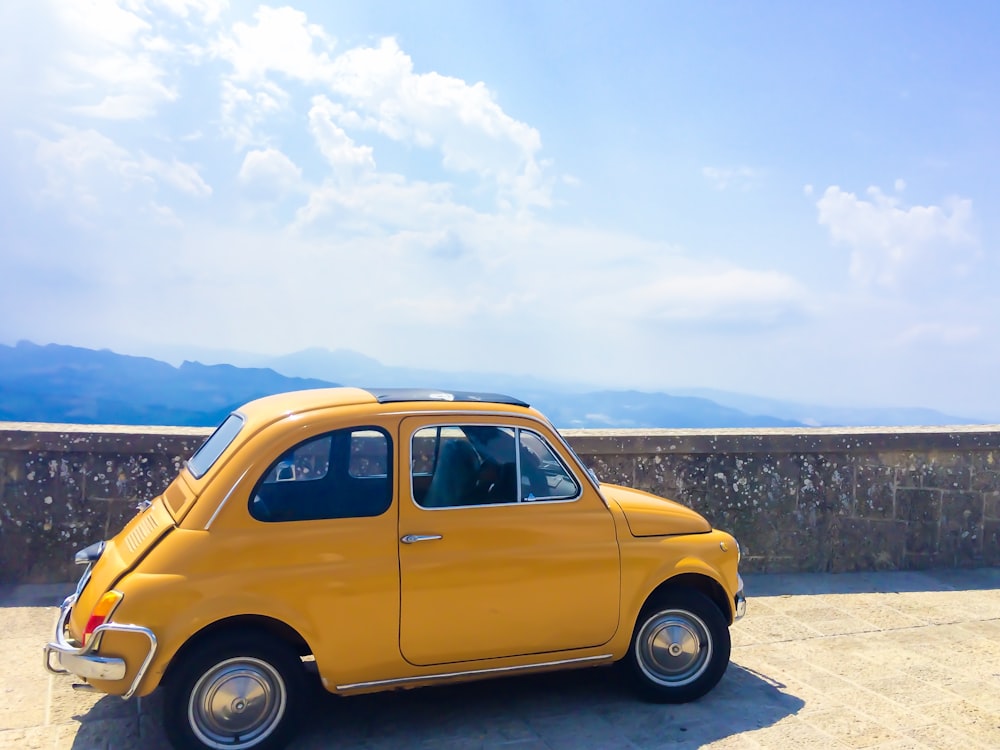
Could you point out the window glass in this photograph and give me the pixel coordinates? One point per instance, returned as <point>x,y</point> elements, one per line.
<point>308,462</point>
<point>212,448</point>
<point>458,466</point>
<point>341,474</point>
<point>369,454</point>
<point>543,475</point>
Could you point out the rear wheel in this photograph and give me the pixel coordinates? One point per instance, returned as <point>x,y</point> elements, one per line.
<point>234,692</point>
<point>680,647</point>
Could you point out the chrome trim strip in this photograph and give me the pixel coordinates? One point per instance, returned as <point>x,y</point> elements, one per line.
<point>494,505</point>
<point>225,500</point>
<point>493,670</point>
<point>104,667</point>
<point>517,465</point>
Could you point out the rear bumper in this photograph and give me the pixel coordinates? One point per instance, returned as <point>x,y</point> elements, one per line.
<point>82,661</point>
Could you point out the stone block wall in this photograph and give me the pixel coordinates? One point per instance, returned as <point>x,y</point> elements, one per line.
<point>63,487</point>
<point>824,500</point>
<point>806,500</point>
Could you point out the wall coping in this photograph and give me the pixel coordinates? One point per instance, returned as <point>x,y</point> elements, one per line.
<point>786,440</point>
<point>74,437</point>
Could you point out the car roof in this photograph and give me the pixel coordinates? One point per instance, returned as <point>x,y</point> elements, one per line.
<point>296,402</point>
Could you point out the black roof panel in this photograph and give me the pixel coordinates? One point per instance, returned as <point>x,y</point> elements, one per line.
<point>396,395</point>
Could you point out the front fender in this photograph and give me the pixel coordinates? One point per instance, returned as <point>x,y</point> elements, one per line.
<point>649,563</point>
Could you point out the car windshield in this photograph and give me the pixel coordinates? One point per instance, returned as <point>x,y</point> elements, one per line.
<point>212,448</point>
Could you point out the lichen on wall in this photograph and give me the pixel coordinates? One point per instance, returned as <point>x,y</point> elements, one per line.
<point>807,500</point>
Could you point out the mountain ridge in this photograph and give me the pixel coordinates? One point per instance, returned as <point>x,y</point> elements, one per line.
<point>61,383</point>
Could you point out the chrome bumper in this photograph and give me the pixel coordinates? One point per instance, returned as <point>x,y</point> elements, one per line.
<point>740,601</point>
<point>83,662</point>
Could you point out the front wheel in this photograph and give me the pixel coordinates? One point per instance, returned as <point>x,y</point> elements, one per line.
<point>680,647</point>
<point>234,693</point>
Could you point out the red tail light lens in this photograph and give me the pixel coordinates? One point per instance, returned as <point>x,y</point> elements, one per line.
<point>101,612</point>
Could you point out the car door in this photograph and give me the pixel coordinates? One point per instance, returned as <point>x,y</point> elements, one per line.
<point>319,539</point>
<point>500,555</point>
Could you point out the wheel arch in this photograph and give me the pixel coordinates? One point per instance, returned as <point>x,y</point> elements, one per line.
<point>243,625</point>
<point>699,582</point>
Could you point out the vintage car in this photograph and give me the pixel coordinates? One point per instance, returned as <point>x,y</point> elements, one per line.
<point>389,539</point>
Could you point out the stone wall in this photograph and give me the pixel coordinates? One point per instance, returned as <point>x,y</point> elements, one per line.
<point>798,500</point>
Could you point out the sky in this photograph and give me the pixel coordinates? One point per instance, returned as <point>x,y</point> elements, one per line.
<point>785,199</point>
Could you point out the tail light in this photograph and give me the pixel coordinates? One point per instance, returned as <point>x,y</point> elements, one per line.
<point>101,612</point>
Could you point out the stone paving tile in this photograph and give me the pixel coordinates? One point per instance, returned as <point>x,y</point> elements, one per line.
<point>941,737</point>
<point>774,628</point>
<point>794,733</point>
<point>852,728</point>
<point>984,693</point>
<point>22,644</point>
<point>906,743</point>
<point>897,661</point>
<point>968,718</point>
<point>29,738</point>
<point>20,706</point>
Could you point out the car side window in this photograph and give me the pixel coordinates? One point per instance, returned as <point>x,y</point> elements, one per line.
<point>464,465</point>
<point>547,476</point>
<point>340,474</point>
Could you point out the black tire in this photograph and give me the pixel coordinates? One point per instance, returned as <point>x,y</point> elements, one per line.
<point>680,647</point>
<point>234,692</point>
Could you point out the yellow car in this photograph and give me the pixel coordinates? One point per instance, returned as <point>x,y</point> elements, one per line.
<point>390,539</point>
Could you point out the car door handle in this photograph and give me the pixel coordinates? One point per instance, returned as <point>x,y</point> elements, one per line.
<point>411,538</point>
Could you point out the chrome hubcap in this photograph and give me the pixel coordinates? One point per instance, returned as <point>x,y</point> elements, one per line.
<point>673,647</point>
<point>237,703</point>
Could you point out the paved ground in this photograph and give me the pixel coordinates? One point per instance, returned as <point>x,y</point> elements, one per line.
<point>887,660</point>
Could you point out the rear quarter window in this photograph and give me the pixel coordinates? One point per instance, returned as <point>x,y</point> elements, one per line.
<point>206,456</point>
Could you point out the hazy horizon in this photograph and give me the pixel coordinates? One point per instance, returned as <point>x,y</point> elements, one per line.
<point>176,356</point>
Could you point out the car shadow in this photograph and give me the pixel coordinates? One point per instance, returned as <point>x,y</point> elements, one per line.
<point>589,708</point>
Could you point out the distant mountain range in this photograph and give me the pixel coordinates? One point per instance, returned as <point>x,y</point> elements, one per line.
<point>55,383</point>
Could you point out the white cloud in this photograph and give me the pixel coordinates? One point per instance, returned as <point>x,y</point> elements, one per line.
<point>270,170</point>
<point>104,59</point>
<point>280,41</point>
<point>102,22</point>
<point>737,178</point>
<point>382,203</point>
<point>163,215</point>
<point>337,147</point>
<point>376,89</point>
<point>177,174</point>
<point>208,10</point>
<point>108,69</point>
<point>464,121</point>
<point>81,166</point>
<point>244,111</point>
<point>888,239</point>
<point>722,295</point>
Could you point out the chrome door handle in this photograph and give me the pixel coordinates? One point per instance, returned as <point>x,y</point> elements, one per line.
<point>411,538</point>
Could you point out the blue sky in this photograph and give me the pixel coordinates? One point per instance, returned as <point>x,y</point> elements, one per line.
<point>783,199</point>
